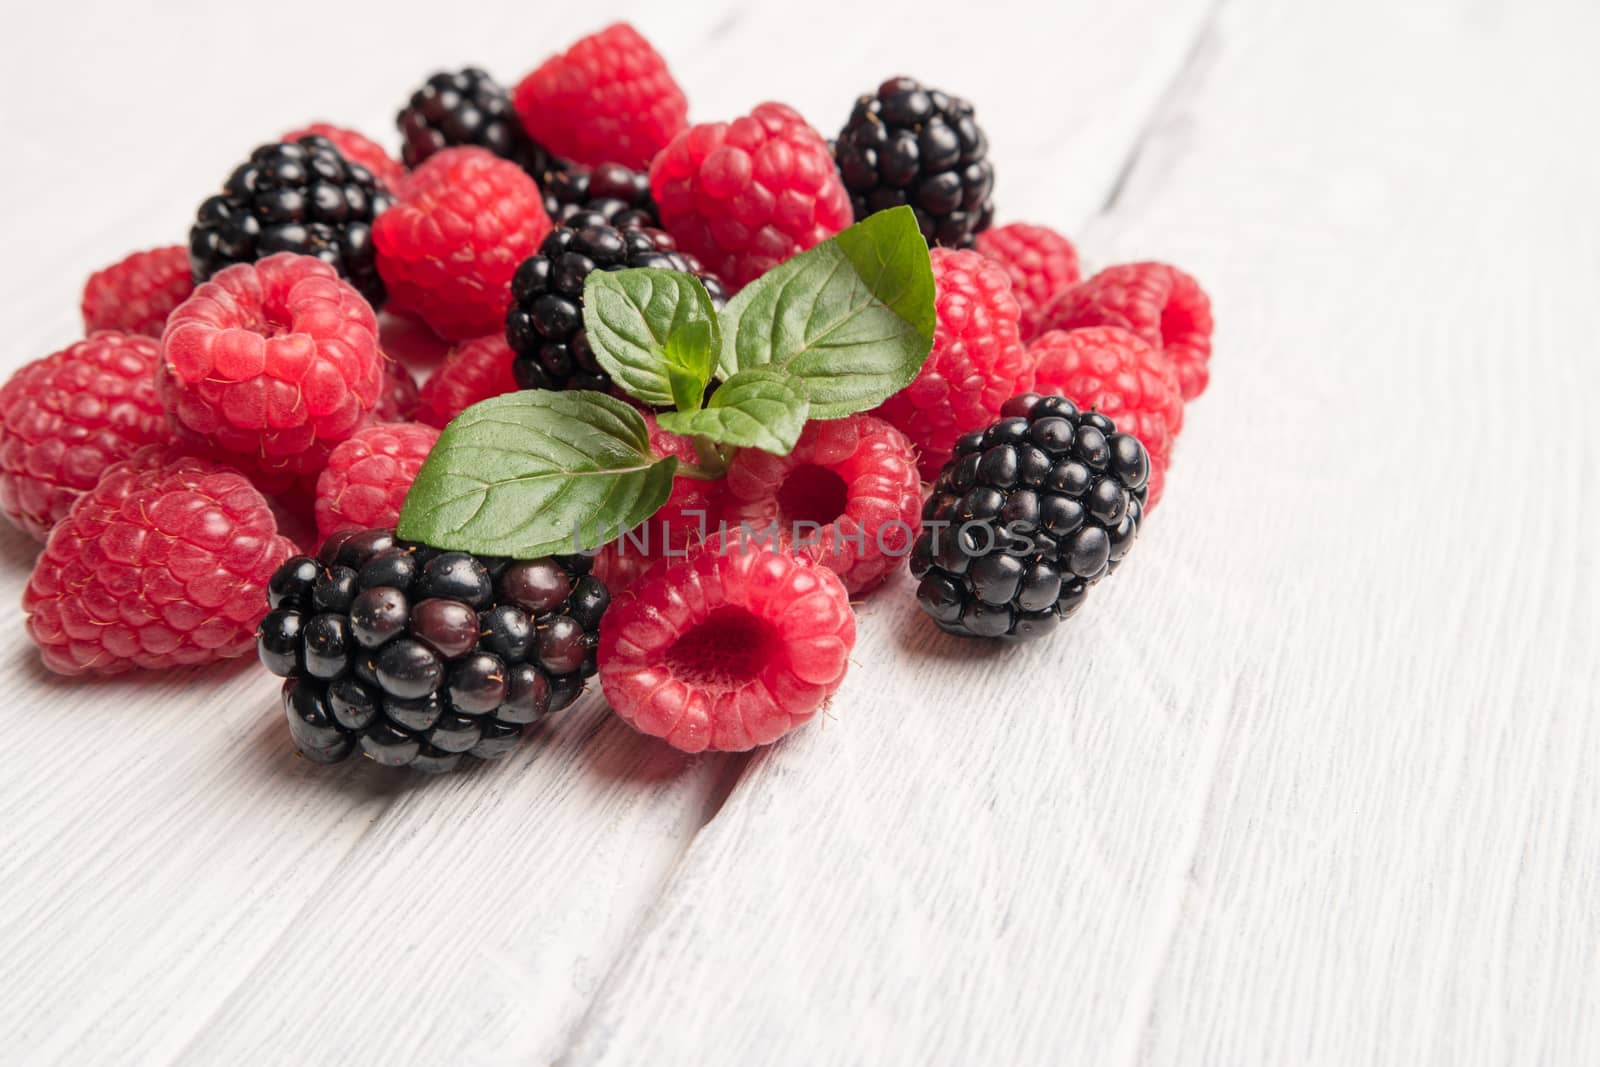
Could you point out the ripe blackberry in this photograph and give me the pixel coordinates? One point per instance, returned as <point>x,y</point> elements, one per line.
<point>1026,516</point>
<point>418,656</point>
<point>544,325</point>
<point>612,190</point>
<point>467,107</point>
<point>294,196</point>
<point>911,145</point>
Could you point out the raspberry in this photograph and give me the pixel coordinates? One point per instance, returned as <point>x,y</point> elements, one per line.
<point>1111,371</point>
<point>467,107</point>
<point>136,294</point>
<point>728,649</point>
<point>448,247</point>
<point>472,371</point>
<point>1164,306</point>
<point>977,362</point>
<point>1026,516</point>
<point>906,144</point>
<point>418,656</point>
<point>272,363</point>
<point>410,342</point>
<point>745,196</point>
<point>608,99</point>
<point>1041,264</point>
<point>680,523</point>
<point>855,478</point>
<point>544,325</point>
<point>357,147</point>
<point>302,196</point>
<point>66,417</point>
<point>368,476</point>
<point>164,563</point>
<point>399,399</point>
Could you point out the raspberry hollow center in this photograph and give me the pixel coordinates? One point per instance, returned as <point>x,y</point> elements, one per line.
<point>727,650</point>
<point>812,494</point>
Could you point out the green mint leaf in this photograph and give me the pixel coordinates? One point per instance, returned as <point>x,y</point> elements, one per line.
<point>852,319</point>
<point>534,473</point>
<point>689,361</point>
<point>761,408</point>
<point>631,316</point>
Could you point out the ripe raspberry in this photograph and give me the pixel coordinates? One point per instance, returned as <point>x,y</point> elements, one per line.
<point>68,416</point>
<point>368,476</point>
<point>409,341</point>
<point>1164,306</point>
<point>1041,264</point>
<point>977,362</point>
<point>399,399</point>
<point>729,649</point>
<point>679,524</point>
<point>472,371</point>
<point>745,196</point>
<point>448,247</point>
<point>357,147</point>
<point>272,363</point>
<point>855,478</point>
<point>136,294</point>
<point>608,99</point>
<point>1111,371</point>
<point>163,564</point>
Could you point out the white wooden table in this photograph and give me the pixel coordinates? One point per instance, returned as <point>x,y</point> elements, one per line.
<point>1315,780</point>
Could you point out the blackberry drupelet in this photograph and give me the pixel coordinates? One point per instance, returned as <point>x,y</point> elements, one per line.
<point>418,656</point>
<point>467,107</point>
<point>910,145</point>
<point>293,196</point>
<point>1026,516</point>
<point>544,325</point>
<point>621,195</point>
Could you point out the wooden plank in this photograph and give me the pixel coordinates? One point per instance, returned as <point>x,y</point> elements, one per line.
<point>1311,781</point>
<point>181,887</point>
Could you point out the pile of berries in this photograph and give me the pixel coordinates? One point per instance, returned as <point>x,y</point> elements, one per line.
<point>220,462</point>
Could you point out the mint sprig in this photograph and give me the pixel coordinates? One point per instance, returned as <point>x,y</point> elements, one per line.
<point>832,331</point>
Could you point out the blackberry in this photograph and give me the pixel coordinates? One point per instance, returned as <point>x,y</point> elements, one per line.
<point>1026,516</point>
<point>911,145</point>
<point>621,195</point>
<point>418,656</point>
<point>293,196</point>
<point>544,325</point>
<point>468,107</point>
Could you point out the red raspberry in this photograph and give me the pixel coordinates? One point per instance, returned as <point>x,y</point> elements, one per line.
<point>272,363</point>
<point>68,416</point>
<point>729,649</point>
<point>368,476</point>
<point>472,371</point>
<point>679,524</point>
<point>745,196</point>
<point>409,341</point>
<point>1164,306</point>
<point>163,564</point>
<point>1112,371</point>
<point>447,249</point>
<point>357,148</point>
<point>977,362</point>
<point>608,99</point>
<point>856,478</point>
<point>1041,264</point>
<point>399,400</point>
<point>137,294</point>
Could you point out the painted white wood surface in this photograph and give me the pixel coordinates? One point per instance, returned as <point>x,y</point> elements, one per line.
<point>1312,781</point>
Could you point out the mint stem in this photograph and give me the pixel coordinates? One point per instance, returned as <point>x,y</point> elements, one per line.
<point>714,460</point>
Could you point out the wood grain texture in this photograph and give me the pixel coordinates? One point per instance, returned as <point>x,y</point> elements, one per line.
<point>1313,781</point>
<point>175,885</point>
